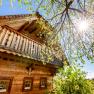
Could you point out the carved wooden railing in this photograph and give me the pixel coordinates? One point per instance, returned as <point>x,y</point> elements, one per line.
<point>19,44</point>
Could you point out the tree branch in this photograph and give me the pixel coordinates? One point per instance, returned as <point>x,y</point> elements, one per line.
<point>39,5</point>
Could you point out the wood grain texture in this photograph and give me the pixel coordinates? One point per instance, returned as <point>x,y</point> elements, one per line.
<point>18,71</point>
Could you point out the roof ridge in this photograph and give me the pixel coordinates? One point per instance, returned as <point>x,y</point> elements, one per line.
<point>15,16</point>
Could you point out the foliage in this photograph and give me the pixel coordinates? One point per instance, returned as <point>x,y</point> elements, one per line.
<point>64,15</point>
<point>71,80</point>
<point>92,82</point>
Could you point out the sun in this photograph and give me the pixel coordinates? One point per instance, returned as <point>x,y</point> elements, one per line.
<point>83,25</point>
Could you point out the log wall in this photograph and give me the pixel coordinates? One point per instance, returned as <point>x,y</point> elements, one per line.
<point>18,71</point>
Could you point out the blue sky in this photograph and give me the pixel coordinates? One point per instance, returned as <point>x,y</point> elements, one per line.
<point>7,9</point>
<point>89,68</point>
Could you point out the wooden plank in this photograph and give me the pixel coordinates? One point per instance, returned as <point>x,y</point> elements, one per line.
<point>26,48</point>
<point>5,38</point>
<point>29,48</point>
<point>10,39</point>
<point>17,42</point>
<point>2,34</point>
<point>20,44</point>
<point>12,46</point>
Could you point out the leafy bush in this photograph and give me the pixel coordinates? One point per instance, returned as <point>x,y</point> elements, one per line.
<point>71,80</point>
<point>92,82</point>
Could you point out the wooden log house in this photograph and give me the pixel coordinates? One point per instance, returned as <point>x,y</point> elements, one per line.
<point>21,67</point>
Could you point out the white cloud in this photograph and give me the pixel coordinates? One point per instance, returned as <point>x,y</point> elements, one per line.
<point>90,75</point>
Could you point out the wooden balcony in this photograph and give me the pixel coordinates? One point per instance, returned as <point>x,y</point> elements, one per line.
<point>16,43</point>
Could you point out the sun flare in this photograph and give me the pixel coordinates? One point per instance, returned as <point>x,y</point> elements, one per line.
<point>83,25</point>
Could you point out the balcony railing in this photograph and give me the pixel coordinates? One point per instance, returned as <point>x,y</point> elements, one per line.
<point>19,44</point>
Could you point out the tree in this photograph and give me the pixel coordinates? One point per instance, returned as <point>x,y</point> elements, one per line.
<point>65,17</point>
<point>71,80</point>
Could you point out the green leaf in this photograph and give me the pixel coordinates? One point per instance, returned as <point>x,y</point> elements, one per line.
<point>52,1</point>
<point>19,1</point>
<point>26,2</point>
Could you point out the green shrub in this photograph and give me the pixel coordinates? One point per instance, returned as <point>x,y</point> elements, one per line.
<point>71,80</point>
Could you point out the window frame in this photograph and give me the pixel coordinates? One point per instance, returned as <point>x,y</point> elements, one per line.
<point>43,79</point>
<point>31,82</point>
<point>10,79</point>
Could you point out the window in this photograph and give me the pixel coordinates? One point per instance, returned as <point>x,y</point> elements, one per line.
<point>43,82</point>
<point>5,84</point>
<point>27,84</point>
